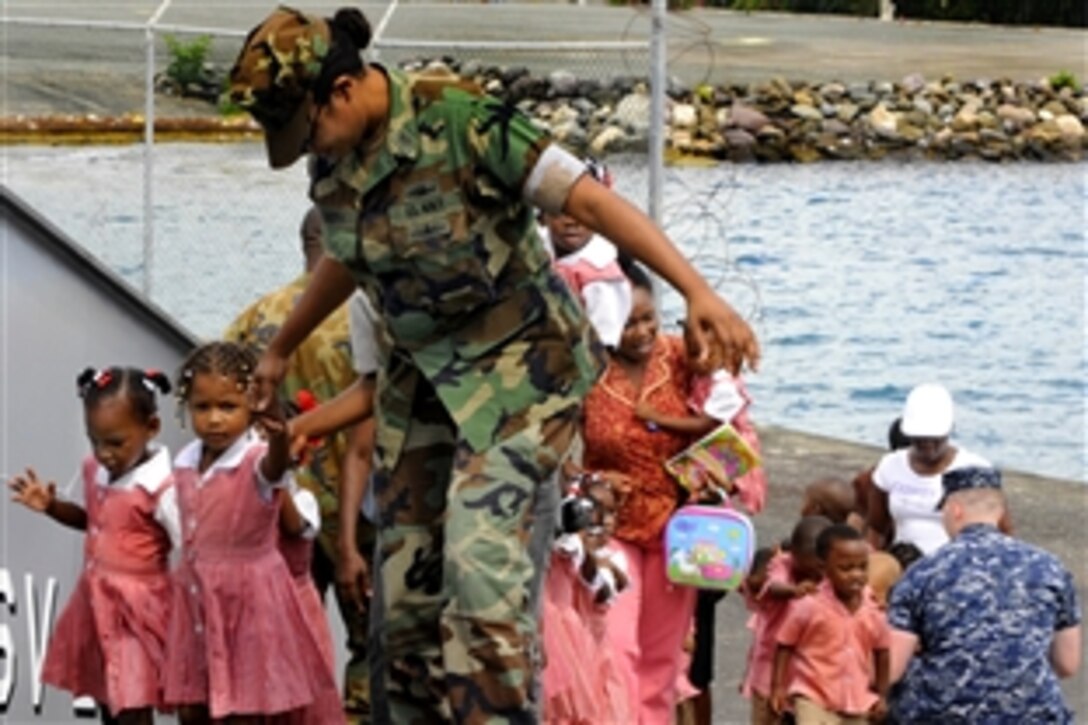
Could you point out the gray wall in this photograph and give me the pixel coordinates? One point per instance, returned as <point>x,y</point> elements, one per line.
<point>59,312</point>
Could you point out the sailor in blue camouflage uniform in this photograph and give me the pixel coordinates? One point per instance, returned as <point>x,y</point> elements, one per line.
<point>428,205</point>
<point>983,628</point>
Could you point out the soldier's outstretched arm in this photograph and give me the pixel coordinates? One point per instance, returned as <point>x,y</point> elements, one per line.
<point>330,285</point>
<point>634,233</point>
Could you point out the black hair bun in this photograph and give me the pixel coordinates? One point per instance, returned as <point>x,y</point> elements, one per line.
<point>84,379</point>
<point>159,379</point>
<point>354,25</point>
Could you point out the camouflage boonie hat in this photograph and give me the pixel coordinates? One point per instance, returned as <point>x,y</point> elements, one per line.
<point>274,75</point>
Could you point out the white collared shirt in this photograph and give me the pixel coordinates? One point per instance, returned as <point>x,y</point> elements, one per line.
<point>230,459</point>
<point>151,476</point>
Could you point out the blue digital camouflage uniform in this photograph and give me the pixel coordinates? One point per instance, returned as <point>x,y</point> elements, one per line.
<point>480,396</point>
<point>985,608</point>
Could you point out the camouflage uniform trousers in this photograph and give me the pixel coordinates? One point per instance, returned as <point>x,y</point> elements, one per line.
<point>461,558</point>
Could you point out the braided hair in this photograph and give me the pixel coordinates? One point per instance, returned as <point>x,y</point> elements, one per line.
<point>218,357</point>
<point>137,386</point>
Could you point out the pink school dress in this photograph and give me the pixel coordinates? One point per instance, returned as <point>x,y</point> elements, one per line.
<point>725,398</point>
<point>580,680</point>
<point>239,639</point>
<point>109,641</point>
<point>297,552</point>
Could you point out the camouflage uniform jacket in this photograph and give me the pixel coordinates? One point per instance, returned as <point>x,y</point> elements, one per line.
<point>322,364</point>
<point>433,224</point>
<point>985,608</point>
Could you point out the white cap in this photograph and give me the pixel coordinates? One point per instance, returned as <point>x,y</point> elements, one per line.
<point>928,412</point>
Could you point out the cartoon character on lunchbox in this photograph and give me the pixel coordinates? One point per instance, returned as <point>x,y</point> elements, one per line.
<point>710,547</point>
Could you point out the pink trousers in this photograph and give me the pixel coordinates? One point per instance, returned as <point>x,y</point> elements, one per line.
<point>647,625</point>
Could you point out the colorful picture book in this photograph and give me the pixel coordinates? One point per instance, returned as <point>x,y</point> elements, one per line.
<point>720,456</point>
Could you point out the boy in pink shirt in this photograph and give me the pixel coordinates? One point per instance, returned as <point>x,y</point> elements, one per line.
<point>833,645</point>
<point>790,575</point>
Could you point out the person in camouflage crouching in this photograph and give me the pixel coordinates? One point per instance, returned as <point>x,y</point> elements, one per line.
<point>428,201</point>
<point>323,366</point>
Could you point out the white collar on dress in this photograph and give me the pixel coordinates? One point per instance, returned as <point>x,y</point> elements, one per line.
<point>598,252</point>
<point>229,459</point>
<point>149,475</point>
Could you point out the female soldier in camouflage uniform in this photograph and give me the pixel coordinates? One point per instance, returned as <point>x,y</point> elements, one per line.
<point>428,206</point>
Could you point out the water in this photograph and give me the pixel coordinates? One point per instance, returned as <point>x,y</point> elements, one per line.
<point>861,280</point>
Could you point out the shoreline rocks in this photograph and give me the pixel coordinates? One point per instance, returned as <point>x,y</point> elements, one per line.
<point>783,121</point>
<point>772,121</point>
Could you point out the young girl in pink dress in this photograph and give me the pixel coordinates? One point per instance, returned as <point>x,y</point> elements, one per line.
<point>300,523</point>
<point>580,679</point>
<point>109,640</point>
<point>239,644</point>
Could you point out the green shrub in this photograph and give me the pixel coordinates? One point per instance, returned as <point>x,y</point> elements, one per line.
<point>1063,79</point>
<point>187,59</point>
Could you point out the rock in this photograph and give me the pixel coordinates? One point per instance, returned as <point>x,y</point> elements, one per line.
<point>913,83</point>
<point>471,68</point>
<point>527,87</point>
<point>922,105</point>
<point>680,139</point>
<point>942,138</point>
<point>847,112</point>
<point>584,106</point>
<point>608,139</point>
<point>747,118</point>
<point>1017,116</point>
<point>571,134</point>
<point>1072,131</point>
<point>494,87</point>
<point>562,82</point>
<point>1056,108</point>
<point>832,91</point>
<point>883,121</point>
<point>564,114</point>
<point>740,145</point>
<point>633,111</point>
<point>509,75</point>
<point>828,110</point>
<point>883,88</point>
<point>1046,132</point>
<point>835,127</point>
<point>804,153</point>
<point>966,119</point>
<point>804,97</point>
<point>909,132</point>
<point>684,115</point>
<point>806,112</point>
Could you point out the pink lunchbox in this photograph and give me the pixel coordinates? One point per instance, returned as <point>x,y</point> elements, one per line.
<point>709,547</point>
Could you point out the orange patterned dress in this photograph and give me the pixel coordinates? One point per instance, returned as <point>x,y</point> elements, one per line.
<point>617,440</point>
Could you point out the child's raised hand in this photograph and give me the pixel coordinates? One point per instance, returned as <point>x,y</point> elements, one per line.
<point>32,493</point>
<point>271,420</point>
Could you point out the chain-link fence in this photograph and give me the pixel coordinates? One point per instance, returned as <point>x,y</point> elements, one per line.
<point>207,228</point>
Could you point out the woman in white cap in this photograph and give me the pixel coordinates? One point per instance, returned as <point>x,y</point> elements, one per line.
<point>907,482</point>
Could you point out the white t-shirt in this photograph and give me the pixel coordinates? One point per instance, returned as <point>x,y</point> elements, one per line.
<point>363,326</point>
<point>912,499</point>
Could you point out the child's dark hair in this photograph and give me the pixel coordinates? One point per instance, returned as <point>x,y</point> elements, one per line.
<point>634,272</point>
<point>905,553</point>
<point>762,558</point>
<point>806,532</point>
<point>833,533</point>
<point>138,387</point>
<point>225,358</point>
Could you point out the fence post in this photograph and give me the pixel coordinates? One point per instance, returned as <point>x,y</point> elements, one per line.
<point>149,146</point>
<point>658,81</point>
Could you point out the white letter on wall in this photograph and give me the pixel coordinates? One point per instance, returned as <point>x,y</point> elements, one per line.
<point>7,645</point>
<point>39,636</point>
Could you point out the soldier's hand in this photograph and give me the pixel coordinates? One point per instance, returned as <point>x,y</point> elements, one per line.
<point>353,577</point>
<point>714,323</point>
<point>271,369</point>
